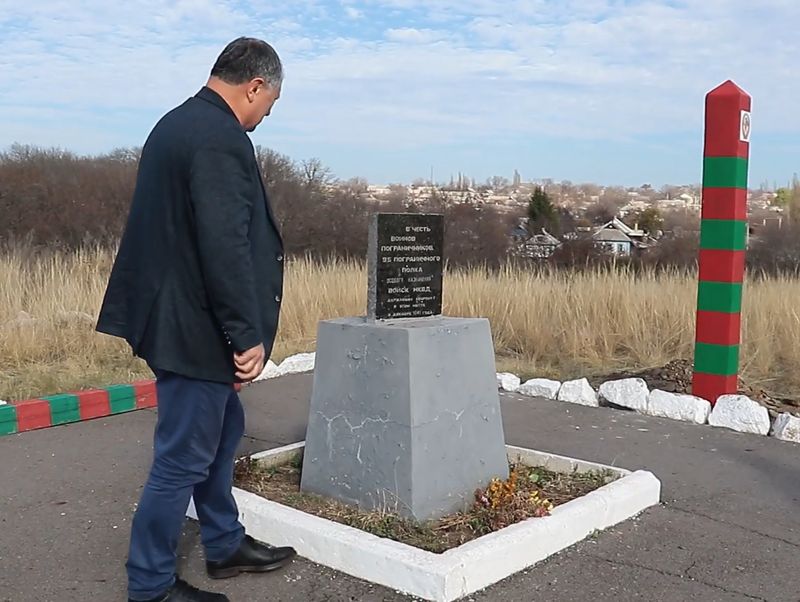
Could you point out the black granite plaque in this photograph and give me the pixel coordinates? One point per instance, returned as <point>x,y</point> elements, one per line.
<point>405,265</point>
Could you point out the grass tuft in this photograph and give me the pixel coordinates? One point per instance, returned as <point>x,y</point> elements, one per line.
<point>544,323</point>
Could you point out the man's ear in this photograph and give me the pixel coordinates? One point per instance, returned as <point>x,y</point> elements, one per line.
<point>253,86</point>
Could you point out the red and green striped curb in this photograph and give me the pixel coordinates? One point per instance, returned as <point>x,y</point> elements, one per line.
<point>54,410</point>
<point>723,241</point>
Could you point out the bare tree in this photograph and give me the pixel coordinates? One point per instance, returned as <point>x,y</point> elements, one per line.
<point>776,249</point>
<point>498,183</point>
<point>315,173</point>
<point>603,211</point>
<point>53,197</point>
<point>356,185</point>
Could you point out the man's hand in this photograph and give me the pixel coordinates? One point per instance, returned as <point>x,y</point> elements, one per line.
<point>250,363</point>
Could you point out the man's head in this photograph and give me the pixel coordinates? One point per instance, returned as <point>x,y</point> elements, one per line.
<point>248,74</point>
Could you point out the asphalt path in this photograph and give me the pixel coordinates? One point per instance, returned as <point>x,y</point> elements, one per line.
<point>728,529</point>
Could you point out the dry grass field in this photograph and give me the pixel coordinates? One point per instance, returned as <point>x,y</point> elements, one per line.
<point>561,324</point>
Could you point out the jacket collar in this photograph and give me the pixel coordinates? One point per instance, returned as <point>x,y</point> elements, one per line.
<point>215,99</point>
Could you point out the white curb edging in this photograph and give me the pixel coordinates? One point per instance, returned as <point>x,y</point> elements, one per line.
<point>740,413</point>
<point>644,403</point>
<point>508,382</point>
<point>460,571</point>
<point>294,364</point>
<point>540,387</point>
<point>686,408</point>
<point>751,417</point>
<point>579,392</point>
<point>631,393</point>
<point>270,371</point>
<point>786,428</point>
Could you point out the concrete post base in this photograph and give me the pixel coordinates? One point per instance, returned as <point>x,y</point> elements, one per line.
<point>405,415</point>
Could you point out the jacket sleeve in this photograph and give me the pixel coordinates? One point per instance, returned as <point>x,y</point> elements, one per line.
<point>220,180</point>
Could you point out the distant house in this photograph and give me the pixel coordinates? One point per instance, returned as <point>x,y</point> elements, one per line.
<point>533,246</point>
<point>618,238</point>
<point>613,241</point>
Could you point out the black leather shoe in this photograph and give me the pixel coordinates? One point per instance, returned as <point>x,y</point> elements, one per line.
<point>183,592</point>
<point>251,557</point>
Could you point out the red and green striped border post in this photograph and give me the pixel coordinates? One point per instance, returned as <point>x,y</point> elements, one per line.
<point>21,416</point>
<point>723,238</point>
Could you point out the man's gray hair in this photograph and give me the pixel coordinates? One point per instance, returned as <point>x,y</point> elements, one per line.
<point>247,58</point>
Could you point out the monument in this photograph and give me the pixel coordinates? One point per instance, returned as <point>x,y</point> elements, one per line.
<point>405,266</point>
<point>405,413</point>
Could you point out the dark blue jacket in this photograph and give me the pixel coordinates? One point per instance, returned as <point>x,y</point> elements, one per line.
<point>199,272</point>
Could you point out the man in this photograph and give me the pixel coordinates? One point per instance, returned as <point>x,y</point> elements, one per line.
<point>196,290</point>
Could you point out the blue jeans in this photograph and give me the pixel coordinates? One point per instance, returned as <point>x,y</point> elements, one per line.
<point>200,424</point>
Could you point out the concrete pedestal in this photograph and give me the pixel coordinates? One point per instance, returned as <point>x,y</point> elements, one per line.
<point>405,415</point>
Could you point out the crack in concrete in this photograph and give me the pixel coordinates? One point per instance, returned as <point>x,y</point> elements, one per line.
<point>686,572</point>
<point>634,565</point>
<point>730,524</point>
<point>352,427</point>
<point>457,415</point>
<point>475,407</point>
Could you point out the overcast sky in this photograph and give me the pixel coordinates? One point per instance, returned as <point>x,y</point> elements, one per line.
<point>610,91</point>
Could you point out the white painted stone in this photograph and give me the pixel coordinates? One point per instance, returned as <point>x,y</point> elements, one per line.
<point>678,407</point>
<point>631,393</point>
<point>295,364</point>
<point>580,392</point>
<point>269,371</point>
<point>2,403</point>
<point>787,428</point>
<point>463,570</point>
<point>540,387</point>
<point>507,381</point>
<point>740,413</point>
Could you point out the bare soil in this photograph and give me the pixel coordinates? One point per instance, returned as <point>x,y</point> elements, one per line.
<point>530,492</point>
<point>676,377</point>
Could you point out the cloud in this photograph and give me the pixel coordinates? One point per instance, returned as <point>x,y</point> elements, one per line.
<point>410,35</point>
<point>383,74</point>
